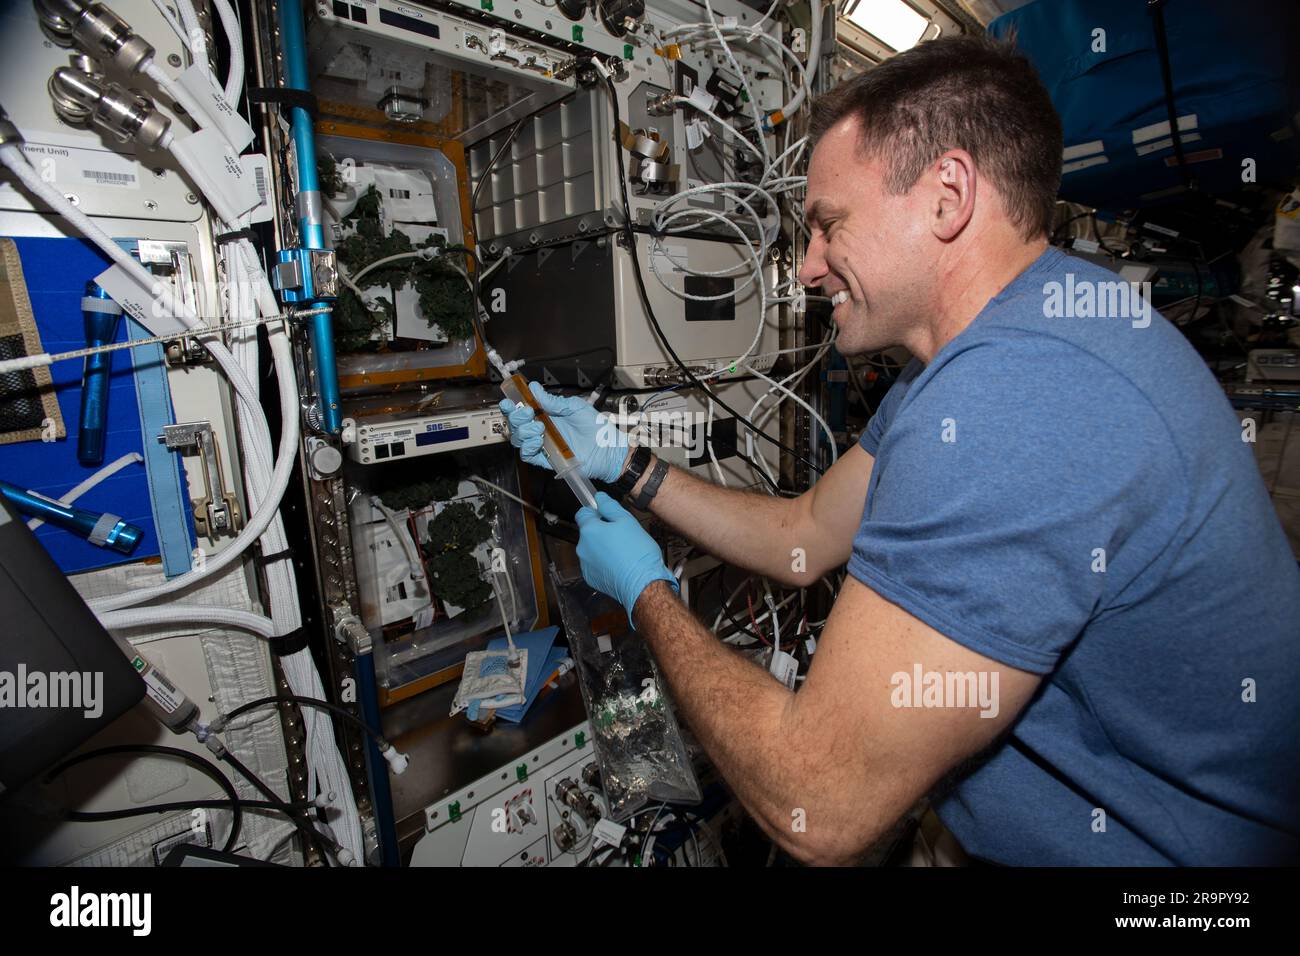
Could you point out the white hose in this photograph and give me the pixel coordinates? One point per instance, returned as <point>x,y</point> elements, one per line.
<point>258,624</point>
<point>235,41</point>
<point>814,55</point>
<point>196,40</point>
<point>325,767</point>
<point>197,113</point>
<point>244,389</point>
<point>77,491</point>
<point>403,537</point>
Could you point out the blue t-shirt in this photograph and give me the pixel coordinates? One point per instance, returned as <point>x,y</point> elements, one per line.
<point>1072,496</point>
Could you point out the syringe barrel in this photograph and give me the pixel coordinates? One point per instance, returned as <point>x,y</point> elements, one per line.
<point>556,449</point>
<point>581,486</point>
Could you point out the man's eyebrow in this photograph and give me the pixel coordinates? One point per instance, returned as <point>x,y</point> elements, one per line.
<point>818,212</point>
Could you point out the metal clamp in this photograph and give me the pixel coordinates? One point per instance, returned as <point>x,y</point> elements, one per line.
<point>306,275</point>
<point>217,512</point>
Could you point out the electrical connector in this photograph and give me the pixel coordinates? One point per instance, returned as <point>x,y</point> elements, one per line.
<point>397,761</point>
<point>83,96</point>
<point>95,30</point>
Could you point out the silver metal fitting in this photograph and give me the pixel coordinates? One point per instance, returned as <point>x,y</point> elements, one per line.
<point>96,30</point>
<point>662,105</point>
<point>82,96</point>
<point>403,106</point>
<point>349,630</point>
<point>9,135</point>
<point>324,273</point>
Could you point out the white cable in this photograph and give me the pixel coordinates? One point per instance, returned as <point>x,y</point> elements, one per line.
<point>77,491</point>
<point>793,379</point>
<point>762,157</point>
<point>713,458</point>
<point>403,537</point>
<point>168,14</point>
<point>744,80</point>
<point>814,55</point>
<point>197,113</point>
<point>496,265</point>
<point>235,41</point>
<point>188,614</point>
<point>511,495</point>
<point>830,436</point>
<point>325,762</point>
<point>267,510</point>
<point>196,39</point>
<point>727,603</point>
<point>776,628</point>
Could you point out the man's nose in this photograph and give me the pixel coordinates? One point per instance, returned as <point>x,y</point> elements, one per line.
<point>814,264</point>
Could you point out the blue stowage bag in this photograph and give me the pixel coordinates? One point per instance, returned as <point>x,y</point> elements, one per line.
<point>1235,80</point>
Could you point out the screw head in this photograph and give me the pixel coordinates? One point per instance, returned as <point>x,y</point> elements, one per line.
<point>173,59</point>
<point>191,198</point>
<point>150,205</point>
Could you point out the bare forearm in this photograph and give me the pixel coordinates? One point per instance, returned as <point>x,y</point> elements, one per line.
<point>735,708</point>
<point>747,529</point>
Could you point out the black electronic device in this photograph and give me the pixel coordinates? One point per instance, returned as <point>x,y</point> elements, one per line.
<point>62,677</point>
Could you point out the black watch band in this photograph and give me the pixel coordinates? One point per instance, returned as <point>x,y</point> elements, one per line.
<point>651,488</point>
<point>631,474</point>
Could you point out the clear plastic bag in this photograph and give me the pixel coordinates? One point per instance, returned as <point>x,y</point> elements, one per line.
<point>638,744</point>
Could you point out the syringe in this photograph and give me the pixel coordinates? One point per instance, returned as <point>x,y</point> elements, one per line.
<point>557,451</point>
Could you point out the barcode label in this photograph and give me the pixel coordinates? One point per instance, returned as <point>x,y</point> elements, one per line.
<point>162,692</point>
<point>164,681</point>
<point>256,165</point>
<point>102,177</point>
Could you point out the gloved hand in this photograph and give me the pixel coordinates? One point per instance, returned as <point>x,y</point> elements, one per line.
<point>618,557</point>
<point>598,442</point>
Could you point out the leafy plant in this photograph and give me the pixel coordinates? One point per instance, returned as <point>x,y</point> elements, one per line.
<point>444,296</point>
<point>453,535</point>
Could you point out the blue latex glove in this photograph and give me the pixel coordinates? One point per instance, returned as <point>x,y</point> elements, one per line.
<point>598,443</point>
<point>618,557</point>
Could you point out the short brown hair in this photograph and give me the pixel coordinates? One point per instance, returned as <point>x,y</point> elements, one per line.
<point>967,92</point>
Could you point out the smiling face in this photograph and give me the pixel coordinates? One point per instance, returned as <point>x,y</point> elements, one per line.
<point>871,251</point>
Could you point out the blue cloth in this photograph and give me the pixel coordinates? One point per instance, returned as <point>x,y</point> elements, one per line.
<point>1071,435</point>
<point>543,658</point>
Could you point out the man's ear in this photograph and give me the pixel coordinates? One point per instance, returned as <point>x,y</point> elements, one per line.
<point>954,178</point>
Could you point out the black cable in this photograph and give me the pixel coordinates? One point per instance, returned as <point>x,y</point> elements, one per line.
<point>649,309</point>
<point>202,764</point>
<point>314,836</point>
<point>89,815</point>
<point>309,702</point>
<point>1157,10</point>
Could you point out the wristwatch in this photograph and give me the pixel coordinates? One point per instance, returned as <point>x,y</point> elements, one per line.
<point>631,474</point>
<point>651,488</point>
